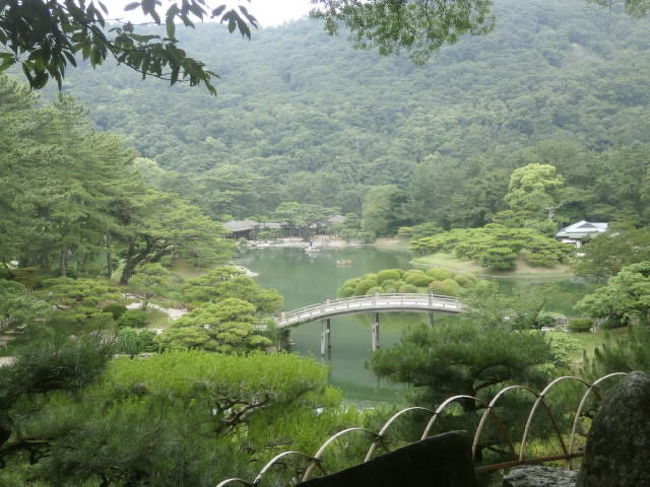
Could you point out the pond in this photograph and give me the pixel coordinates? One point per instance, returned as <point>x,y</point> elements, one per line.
<point>307,278</point>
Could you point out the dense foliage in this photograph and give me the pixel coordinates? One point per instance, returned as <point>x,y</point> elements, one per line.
<point>44,37</point>
<point>483,153</point>
<point>606,255</point>
<point>553,83</point>
<point>437,281</point>
<point>72,200</point>
<point>231,282</point>
<point>209,413</point>
<point>462,358</point>
<point>624,300</point>
<point>626,353</point>
<point>497,247</point>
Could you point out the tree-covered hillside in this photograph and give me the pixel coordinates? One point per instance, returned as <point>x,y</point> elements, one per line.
<point>301,116</point>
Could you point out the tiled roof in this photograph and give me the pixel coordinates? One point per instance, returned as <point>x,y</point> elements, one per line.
<point>582,228</point>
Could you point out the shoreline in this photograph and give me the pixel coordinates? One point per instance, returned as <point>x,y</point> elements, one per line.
<point>319,242</point>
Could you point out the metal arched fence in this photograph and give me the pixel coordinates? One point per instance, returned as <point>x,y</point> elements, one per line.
<point>518,454</point>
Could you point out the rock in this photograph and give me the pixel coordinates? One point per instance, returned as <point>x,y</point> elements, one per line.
<point>442,460</point>
<point>618,448</point>
<point>539,476</point>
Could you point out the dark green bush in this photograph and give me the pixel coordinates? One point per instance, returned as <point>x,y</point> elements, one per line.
<point>132,318</point>
<point>613,323</point>
<point>132,341</point>
<point>448,287</point>
<point>440,274</point>
<point>115,309</point>
<point>408,288</point>
<point>545,321</point>
<point>364,286</point>
<point>389,274</point>
<point>465,280</point>
<point>375,290</point>
<point>31,277</point>
<point>417,279</point>
<point>580,325</point>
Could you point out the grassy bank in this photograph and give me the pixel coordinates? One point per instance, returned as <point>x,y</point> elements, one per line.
<point>454,264</point>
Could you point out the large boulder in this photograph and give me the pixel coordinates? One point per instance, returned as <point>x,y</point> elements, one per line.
<point>618,448</point>
<point>539,476</point>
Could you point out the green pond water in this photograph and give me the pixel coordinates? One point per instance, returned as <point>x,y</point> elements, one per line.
<point>304,279</point>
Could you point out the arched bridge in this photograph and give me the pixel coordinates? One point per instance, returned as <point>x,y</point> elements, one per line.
<point>374,303</point>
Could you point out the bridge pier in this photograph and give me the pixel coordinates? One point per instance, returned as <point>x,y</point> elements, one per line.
<point>285,339</point>
<point>325,336</point>
<point>430,319</point>
<point>375,333</point>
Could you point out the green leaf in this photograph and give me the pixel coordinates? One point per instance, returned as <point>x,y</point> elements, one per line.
<point>218,11</point>
<point>132,6</point>
<point>171,28</point>
<point>8,60</point>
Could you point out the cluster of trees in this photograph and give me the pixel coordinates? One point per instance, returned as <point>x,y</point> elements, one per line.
<point>607,254</point>
<point>496,343</point>
<point>436,280</point>
<point>426,159</point>
<point>177,418</point>
<point>624,300</point>
<point>496,247</point>
<point>553,83</point>
<point>228,309</point>
<point>73,202</point>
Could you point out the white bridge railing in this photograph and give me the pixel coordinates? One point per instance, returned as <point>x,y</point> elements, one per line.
<point>414,302</point>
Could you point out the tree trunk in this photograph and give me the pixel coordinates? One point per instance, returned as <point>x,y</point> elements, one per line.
<point>62,263</point>
<point>109,256</point>
<point>130,264</point>
<point>135,258</point>
<point>45,262</point>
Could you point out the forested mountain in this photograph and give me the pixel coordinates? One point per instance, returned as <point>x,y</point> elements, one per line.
<point>301,116</point>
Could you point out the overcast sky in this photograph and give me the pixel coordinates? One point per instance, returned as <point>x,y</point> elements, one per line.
<point>269,12</point>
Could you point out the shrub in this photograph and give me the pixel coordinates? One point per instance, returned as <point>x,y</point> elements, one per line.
<point>498,259</point>
<point>612,323</point>
<point>580,325</point>
<point>398,284</point>
<point>364,285</point>
<point>115,309</point>
<point>347,291</point>
<point>417,279</point>
<point>132,341</point>
<point>389,274</point>
<point>407,288</point>
<point>351,283</point>
<point>406,232</point>
<point>31,277</point>
<point>545,320</point>
<point>388,283</point>
<point>439,274</point>
<point>465,280</point>
<point>541,259</point>
<point>376,289</point>
<point>448,287</point>
<point>132,318</point>
<point>565,348</point>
